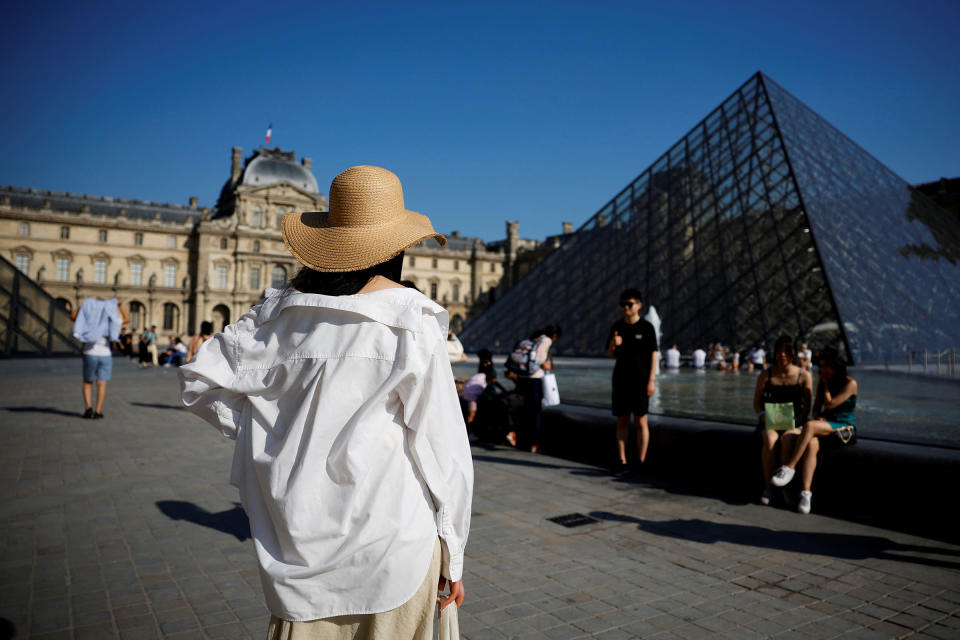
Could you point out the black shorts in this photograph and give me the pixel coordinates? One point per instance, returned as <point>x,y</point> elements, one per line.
<point>630,396</point>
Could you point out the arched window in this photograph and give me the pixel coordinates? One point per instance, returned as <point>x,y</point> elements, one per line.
<point>63,269</point>
<point>221,316</point>
<point>278,277</point>
<point>136,315</point>
<point>136,274</point>
<point>222,275</point>
<point>171,317</point>
<point>169,275</point>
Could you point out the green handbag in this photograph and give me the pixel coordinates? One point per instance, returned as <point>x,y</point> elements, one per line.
<point>778,415</point>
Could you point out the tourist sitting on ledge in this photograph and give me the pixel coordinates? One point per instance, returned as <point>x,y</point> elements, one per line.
<point>699,358</point>
<point>836,401</point>
<point>672,358</point>
<point>782,402</point>
<point>474,386</point>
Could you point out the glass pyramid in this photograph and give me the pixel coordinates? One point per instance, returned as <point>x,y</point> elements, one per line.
<point>763,220</point>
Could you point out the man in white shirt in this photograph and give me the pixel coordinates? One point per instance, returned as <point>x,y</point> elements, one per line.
<point>717,355</point>
<point>699,358</point>
<point>756,357</point>
<point>805,357</point>
<point>455,349</point>
<point>352,457</point>
<point>97,323</point>
<point>672,357</point>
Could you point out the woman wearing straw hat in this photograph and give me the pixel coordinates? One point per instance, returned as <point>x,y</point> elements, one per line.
<point>351,455</point>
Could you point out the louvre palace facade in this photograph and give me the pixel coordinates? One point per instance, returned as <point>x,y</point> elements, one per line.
<point>177,265</point>
<point>763,220</point>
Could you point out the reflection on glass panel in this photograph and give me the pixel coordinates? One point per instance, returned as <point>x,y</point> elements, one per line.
<point>893,295</point>
<point>728,239</point>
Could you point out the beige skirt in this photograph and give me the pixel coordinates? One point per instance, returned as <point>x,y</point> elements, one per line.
<point>413,619</point>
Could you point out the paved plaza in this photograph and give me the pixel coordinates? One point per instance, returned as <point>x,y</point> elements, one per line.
<point>127,527</point>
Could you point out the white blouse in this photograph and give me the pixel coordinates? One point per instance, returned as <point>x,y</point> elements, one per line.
<point>351,453</point>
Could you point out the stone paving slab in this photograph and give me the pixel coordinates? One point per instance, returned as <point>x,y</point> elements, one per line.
<point>127,527</point>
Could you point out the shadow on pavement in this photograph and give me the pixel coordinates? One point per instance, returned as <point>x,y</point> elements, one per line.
<point>233,521</point>
<point>59,412</point>
<point>836,545</point>
<point>531,463</point>
<point>153,405</point>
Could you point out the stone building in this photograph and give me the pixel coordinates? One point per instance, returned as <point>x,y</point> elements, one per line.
<point>78,246</point>
<point>177,265</point>
<point>172,265</point>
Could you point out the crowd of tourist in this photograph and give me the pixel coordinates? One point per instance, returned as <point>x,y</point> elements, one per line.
<point>796,418</point>
<point>733,359</point>
<point>352,456</point>
<point>142,347</point>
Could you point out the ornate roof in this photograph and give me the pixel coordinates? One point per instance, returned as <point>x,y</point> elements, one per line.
<point>270,166</point>
<point>98,205</point>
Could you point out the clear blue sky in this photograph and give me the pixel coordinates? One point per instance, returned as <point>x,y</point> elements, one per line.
<point>537,112</point>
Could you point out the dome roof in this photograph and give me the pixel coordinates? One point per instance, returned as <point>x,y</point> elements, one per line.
<point>273,166</point>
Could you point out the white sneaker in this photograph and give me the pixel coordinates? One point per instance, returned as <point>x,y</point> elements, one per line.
<point>804,505</point>
<point>782,476</point>
<point>766,496</point>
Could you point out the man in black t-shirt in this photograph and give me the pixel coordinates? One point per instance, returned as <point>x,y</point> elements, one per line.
<point>633,342</point>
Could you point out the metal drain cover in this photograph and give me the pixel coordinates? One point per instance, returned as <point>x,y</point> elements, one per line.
<point>571,520</point>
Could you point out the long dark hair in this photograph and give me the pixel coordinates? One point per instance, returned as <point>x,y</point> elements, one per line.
<point>345,283</point>
<point>550,330</point>
<point>835,361</point>
<point>785,341</point>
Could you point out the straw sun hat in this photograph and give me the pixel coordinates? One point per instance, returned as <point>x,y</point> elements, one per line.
<point>367,224</point>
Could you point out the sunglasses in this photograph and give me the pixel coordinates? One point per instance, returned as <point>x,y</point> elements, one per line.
<point>626,303</point>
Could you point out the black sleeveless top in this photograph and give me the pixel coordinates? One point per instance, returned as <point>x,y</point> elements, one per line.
<point>784,393</point>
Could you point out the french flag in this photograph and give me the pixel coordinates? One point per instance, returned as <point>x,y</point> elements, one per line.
<point>269,132</point>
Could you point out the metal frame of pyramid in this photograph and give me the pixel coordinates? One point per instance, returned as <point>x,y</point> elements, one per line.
<point>763,220</point>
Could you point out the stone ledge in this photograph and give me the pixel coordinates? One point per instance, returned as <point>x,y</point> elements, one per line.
<point>899,486</point>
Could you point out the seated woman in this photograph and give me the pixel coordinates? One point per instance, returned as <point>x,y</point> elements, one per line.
<point>785,390</point>
<point>176,353</point>
<point>833,411</point>
<point>474,386</point>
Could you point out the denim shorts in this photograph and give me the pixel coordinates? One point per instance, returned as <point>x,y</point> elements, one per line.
<point>97,367</point>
